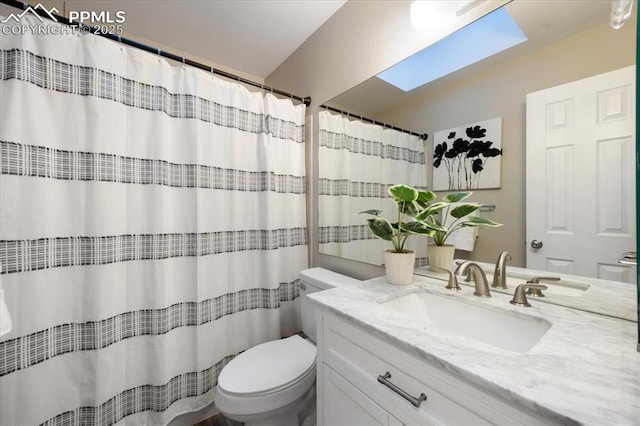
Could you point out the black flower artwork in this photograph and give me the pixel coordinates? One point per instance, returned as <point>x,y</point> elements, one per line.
<point>465,158</point>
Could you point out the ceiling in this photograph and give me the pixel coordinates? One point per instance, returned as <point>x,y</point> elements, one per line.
<point>249,37</point>
<point>253,37</point>
<point>543,21</point>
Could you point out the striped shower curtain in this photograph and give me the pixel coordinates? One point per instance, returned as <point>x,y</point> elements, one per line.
<point>152,227</point>
<point>358,162</point>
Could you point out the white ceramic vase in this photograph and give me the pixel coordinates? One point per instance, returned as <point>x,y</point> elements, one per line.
<point>440,257</point>
<point>399,267</point>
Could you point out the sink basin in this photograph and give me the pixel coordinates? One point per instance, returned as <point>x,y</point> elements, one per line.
<point>497,328</point>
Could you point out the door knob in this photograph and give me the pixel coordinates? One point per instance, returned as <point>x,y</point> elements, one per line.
<point>629,258</point>
<point>536,244</point>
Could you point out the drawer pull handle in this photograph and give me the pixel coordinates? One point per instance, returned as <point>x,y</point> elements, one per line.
<point>412,399</point>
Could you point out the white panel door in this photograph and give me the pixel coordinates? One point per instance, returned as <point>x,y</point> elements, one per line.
<point>581,176</point>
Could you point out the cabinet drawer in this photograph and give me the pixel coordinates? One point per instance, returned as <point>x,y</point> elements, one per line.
<point>361,357</point>
<point>344,404</point>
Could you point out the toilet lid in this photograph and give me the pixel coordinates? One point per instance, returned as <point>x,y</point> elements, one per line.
<point>268,366</point>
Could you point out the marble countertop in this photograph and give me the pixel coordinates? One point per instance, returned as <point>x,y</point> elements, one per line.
<point>584,370</point>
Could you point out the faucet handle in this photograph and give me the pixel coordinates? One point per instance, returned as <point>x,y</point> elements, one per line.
<point>520,298</point>
<point>453,281</point>
<point>536,292</point>
<point>537,280</point>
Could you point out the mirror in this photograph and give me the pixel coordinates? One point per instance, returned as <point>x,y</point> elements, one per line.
<point>567,41</point>
<point>357,161</point>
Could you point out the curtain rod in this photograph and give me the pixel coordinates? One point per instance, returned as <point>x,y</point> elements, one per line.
<point>155,50</point>
<point>423,136</point>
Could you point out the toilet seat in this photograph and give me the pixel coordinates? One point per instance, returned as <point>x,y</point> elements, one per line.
<point>267,377</point>
<point>268,367</point>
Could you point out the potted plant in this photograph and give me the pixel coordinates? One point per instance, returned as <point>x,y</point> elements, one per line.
<point>441,254</point>
<point>399,262</point>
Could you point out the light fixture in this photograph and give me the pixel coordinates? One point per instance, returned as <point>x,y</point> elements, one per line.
<point>434,13</point>
<point>620,12</point>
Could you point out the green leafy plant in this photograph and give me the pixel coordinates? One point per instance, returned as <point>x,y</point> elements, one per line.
<point>436,229</point>
<point>409,202</point>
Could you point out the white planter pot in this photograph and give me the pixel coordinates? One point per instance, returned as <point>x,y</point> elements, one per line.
<point>440,257</point>
<point>399,267</point>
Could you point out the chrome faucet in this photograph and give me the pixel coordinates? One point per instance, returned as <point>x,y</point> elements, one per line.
<point>478,276</point>
<point>500,272</point>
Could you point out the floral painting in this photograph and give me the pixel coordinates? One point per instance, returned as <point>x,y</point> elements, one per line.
<point>468,157</point>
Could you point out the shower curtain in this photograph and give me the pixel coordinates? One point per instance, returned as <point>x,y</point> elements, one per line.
<point>152,227</point>
<point>358,162</point>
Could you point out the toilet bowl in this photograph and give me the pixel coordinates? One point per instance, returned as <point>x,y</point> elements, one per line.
<point>273,384</point>
<point>268,382</point>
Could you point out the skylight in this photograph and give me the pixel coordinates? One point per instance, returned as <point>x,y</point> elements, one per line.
<point>487,36</point>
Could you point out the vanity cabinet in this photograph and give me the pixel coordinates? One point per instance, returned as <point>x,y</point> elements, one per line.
<point>352,362</point>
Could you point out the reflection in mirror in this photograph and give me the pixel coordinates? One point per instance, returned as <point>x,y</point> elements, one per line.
<point>567,41</point>
<point>359,161</point>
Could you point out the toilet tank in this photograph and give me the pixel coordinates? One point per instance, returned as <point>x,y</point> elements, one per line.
<point>317,279</point>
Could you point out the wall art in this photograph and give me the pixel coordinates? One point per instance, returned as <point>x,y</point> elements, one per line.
<point>468,157</point>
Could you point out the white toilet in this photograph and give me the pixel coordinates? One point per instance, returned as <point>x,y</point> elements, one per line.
<point>273,384</point>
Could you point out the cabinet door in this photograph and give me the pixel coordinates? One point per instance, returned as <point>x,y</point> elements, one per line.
<point>345,405</point>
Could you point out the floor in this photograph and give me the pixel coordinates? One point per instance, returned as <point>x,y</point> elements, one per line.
<point>218,420</point>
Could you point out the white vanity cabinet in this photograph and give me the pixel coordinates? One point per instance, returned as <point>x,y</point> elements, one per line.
<point>350,361</point>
